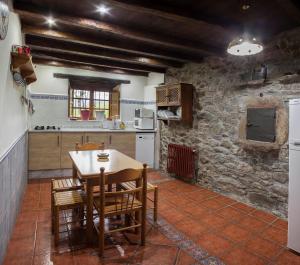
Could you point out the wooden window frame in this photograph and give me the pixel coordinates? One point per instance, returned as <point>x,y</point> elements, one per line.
<point>91,100</point>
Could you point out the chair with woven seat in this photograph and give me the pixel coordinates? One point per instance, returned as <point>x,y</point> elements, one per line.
<point>66,184</point>
<point>130,204</point>
<point>66,200</point>
<point>70,184</point>
<point>150,188</point>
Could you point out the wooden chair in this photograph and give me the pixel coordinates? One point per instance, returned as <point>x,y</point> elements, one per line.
<point>66,200</point>
<point>150,188</point>
<point>70,184</point>
<point>128,203</point>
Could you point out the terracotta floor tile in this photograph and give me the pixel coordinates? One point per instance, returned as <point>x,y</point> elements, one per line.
<point>214,244</point>
<point>239,256</point>
<point>264,216</point>
<point>230,213</point>
<point>30,206</point>
<point>21,247</point>
<point>192,229</point>
<point>44,215</point>
<point>185,259</point>
<point>25,216</point>
<point>192,210</point>
<point>42,259</point>
<point>276,234</point>
<point>173,216</point>
<point>279,223</point>
<point>195,209</point>
<point>24,229</point>
<point>263,247</point>
<point>214,221</point>
<point>154,236</point>
<point>213,204</point>
<point>226,200</point>
<point>243,207</point>
<point>288,258</point>
<point>200,195</point>
<point>235,233</point>
<point>251,223</point>
<point>62,259</point>
<point>156,255</point>
<point>26,260</point>
<point>164,205</point>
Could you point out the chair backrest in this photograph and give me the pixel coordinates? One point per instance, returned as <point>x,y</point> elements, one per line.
<point>125,200</point>
<point>89,147</point>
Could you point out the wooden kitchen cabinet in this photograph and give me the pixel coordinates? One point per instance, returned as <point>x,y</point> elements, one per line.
<point>124,142</point>
<point>51,150</point>
<point>68,143</point>
<point>44,151</point>
<point>97,137</point>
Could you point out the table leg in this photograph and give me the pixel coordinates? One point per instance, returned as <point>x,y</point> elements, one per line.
<point>74,172</point>
<point>89,214</point>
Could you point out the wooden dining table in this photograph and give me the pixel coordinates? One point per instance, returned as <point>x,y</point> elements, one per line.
<point>86,166</point>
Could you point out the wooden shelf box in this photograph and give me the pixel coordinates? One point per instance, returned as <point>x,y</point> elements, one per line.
<point>23,64</point>
<point>174,96</point>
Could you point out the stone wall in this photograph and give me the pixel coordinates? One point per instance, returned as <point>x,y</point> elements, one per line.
<point>255,177</point>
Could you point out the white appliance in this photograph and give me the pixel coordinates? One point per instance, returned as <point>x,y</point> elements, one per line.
<point>144,123</point>
<point>144,148</point>
<point>143,113</point>
<point>294,176</point>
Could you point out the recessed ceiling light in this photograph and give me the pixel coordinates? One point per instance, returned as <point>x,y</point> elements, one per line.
<point>50,21</point>
<point>102,9</point>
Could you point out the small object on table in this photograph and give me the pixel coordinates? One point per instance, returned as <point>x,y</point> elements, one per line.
<point>103,156</point>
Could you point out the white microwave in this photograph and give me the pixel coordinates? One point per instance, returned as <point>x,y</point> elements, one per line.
<point>143,113</point>
<point>144,123</point>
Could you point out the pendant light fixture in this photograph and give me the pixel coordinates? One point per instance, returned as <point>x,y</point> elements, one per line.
<point>245,45</point>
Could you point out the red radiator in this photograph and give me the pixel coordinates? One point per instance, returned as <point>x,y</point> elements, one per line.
<point>181,161</point>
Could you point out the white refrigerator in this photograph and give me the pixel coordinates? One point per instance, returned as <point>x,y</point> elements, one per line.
<point>294,176</point>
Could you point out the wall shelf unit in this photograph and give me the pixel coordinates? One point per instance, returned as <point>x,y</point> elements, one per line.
<point>177,100</point>
<point>23,64</point>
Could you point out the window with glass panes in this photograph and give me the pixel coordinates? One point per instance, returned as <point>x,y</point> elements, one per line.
<point>88,100</point>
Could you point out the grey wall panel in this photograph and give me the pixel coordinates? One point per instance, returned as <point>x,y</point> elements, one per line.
<point>13,181</point>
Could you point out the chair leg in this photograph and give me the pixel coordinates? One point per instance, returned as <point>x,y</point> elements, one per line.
<point>143,227</point>
<point>52,213</point>
<point>56,225</point>
<point>101,236</point>
<point>81,215</point>
<point>155,204</point>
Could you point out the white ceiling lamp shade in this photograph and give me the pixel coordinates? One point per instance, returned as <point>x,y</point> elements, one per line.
<point>244,46</point>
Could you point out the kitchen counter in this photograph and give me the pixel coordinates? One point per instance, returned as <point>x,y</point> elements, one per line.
<point>93,130</point>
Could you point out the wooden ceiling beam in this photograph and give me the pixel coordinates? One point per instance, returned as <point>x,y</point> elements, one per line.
<point>48,44</point>
<point>125,46</point>
<point>95,79</point>
<point>63,63</point>
<point>96,61</point>
<point>170,15</point>
<point>121,32</point>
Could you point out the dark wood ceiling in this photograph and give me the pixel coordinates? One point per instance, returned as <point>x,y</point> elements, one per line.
<point>138,37</point>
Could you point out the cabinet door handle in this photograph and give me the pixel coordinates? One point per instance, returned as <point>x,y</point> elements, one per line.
<point>87,139</point>
<point>58,140</point>
<point>110,139</point>
<point>82,139</point>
